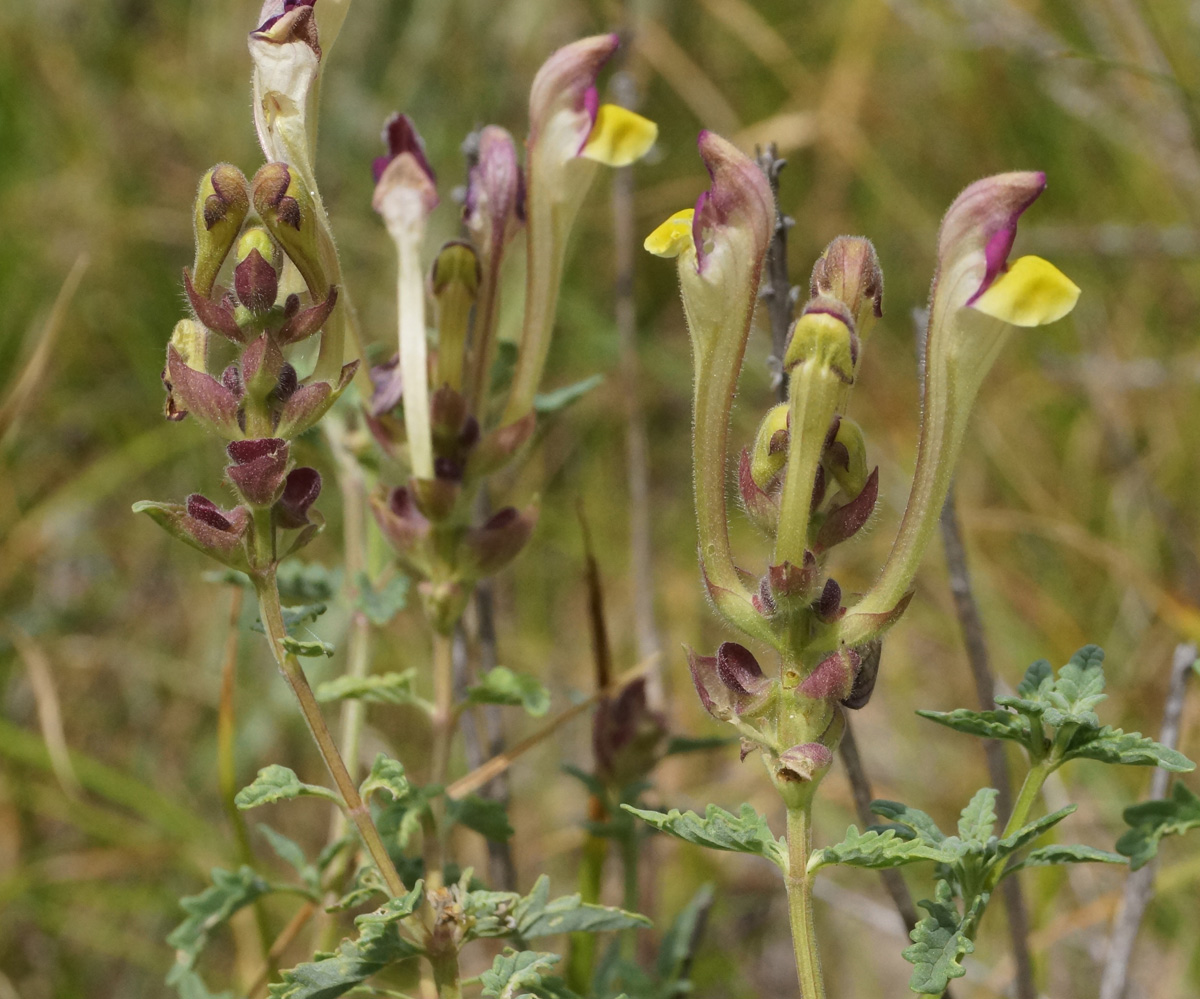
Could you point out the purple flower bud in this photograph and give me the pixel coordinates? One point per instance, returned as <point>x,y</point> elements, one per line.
<point>868,656</point>
<point>262,362</point>
<point>286,21</point>
<point>399,137</point>
<point>404,526</point>
<point>300,491</point>
<point>217,316</point>
<point>739,670</point>
<point>231,378</point>
<point>202,395</point>
<point>389,386</point>
<point>494,208</point>
<point>843,522</point>
<point>804,763</point>
<point>760,506</point>
<point>287,384</point>
<point>499,446</point>
<point>828,606</point>
<point>792,583</point>
<point>488,549</point>
<point>833,677</point>
<point>302,325</point>
<point>849,271</point>
<point>310,402</point>
<point>256,282</point>
<point>258,469</point>
<point>627,735</point>
<point>202,524</point>
<point>437,498</point>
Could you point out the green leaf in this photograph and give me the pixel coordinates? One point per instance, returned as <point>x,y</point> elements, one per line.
<point>490,913</point>
<point>877,849</point>
<point>1062,853</point>
<point>940,942</point>
<point>230,891</point>
<point>1111,745</point>
<point>502,686</point>
<point>293,617</point>
<point>516,973</point>
<point>1031,831</point>
<point>746,832</point>
<point>378,944</point>
<point>290,853</point>
<point>978,818</point>
<point>1152,820</point>
<point>277,783</point>
<point>679,942</point>
<point>545,403</point>
<point>1077,689</point>
<point>377,688</point>
<point>913,819</point>
<point>308,648</point>
<point>985,724</point>
<point>686,744</point>
<point>484,815</point>
<point>307,581</point>
<point>189,985</point>
<point>387,775</point>
<point>1037,674</point>
<point>383,604</point>
<point>536,916</point>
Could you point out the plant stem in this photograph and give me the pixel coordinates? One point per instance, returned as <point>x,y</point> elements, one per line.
<point>799,893</point>
<point>443,719</point>
<point>629,900</point>
<point>272,618</point>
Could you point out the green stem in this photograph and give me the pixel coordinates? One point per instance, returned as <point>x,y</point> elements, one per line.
<point>443,718</point>
<point>799,892</point>
<point>272,619</point>
<point>582,953</point>
<point>629,900</point>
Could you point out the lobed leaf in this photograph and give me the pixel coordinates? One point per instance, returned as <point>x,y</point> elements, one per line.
<point>229,892</point>
<point>377,688</point>
<point>877,849</point>
<point>746,832</point>
<point>1065,853</point>
<point>516,973</point>
<point>911,818</point>
<point>278,783</point>
<point>978,818</point>
<point>1152,820</point>
<point>1111,745</point>
<point>536,916</point>
<point>383,604</point>
<point>940,942</point>
<point>387,775</point>
<point>502,686</point>
<point>1031,831</point>
<point>985,724</point>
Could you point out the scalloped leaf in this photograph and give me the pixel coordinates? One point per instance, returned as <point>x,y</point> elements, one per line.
<point>387,775</point>
<point>278,783</point>
<point>503,686</point>
<point>877,849</point>
<point>382,604</point>
<point>1152,820</point>
<point>485,816</point>
<point>940,942</point>
<point>377,688</point>
<point>920,823</point>
<point>985,724</point>
<point>536,915</point>
<point>516,973</point>
<point>229,892</point>
<point>1112,745</point>
<point>1065,853</point>
<point>978,818</point>
<point>1031,831</point>
<point>746,832</point>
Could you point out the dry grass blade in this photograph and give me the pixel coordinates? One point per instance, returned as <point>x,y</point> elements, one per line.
<point>25,390</point>
<point>49,711</point>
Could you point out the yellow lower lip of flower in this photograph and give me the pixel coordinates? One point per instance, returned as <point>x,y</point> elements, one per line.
<point>1032,292</point>
<point>672,237</point>
<point>619,136</point>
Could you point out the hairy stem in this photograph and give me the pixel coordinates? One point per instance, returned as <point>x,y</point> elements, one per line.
<point>443,734</point>
<point>799,894</point>
<point>272,619</point>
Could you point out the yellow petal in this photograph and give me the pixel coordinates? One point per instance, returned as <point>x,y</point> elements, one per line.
<point>1032,292</point>
<point>618,136</point>
<point>672,237</point>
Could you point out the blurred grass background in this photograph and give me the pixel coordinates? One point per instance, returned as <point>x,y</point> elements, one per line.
<point>1077,490</point>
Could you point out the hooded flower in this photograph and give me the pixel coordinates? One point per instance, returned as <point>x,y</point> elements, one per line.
<point>720,246</point>
<point>569,133</point>
<point>977,298</point>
